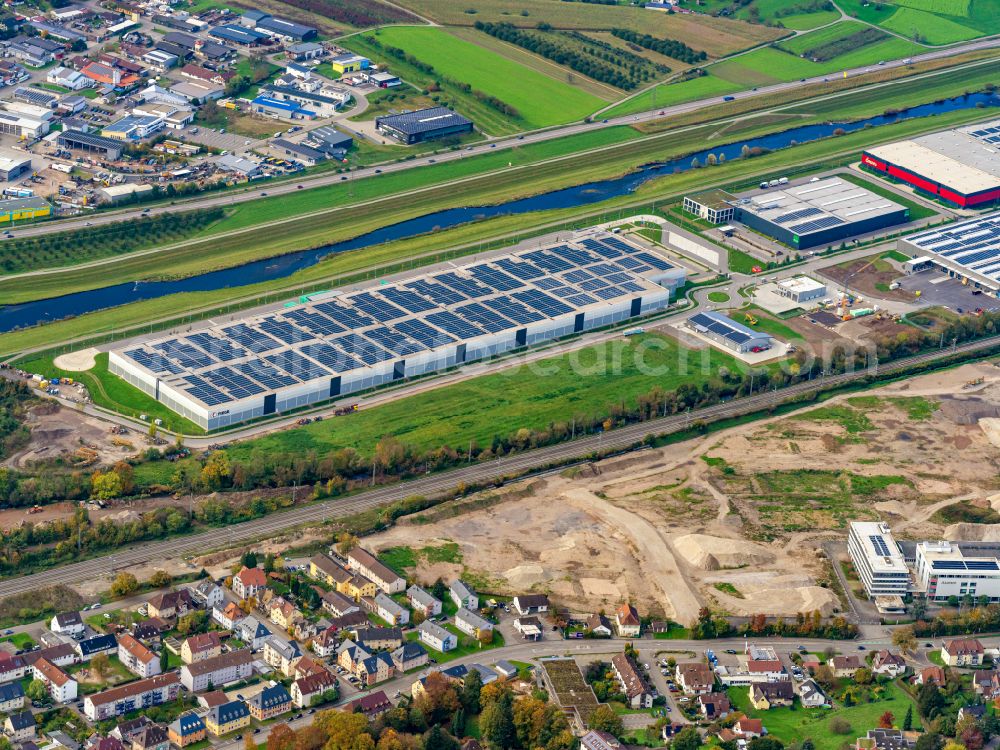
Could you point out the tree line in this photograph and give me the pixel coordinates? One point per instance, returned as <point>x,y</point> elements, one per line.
<point>360,15</point>
<point>669,47</point>
<point>600,65</point>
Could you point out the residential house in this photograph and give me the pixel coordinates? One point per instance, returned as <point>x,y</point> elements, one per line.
<point>208,595</point>
<point>199,73</point>
<point>252,632</point>
<point>170,604</point>
<point>811,695</point>
<point>886,739</point>
<point>887,663</point>
<point>187,729</point>
<point>217,671</point>
<point>58,740</point>
<point>212,698</point>
<point>767,695</point>
<point>351,654</point>
<point>962,652</point>
<point>229,717</point>
<point>152,691</point>
<point>325,644</point>
<point>358,587</point>
<point>986,684</point>
<point>749,728</point>
<point>325,568</point>
<point>844,666</point>
<point>364,562</point>
<point>505,669</point>
<point>377,668</point>
<point>11,697</point>
<point>308,691</point>
<point>931,674</point>
<point>375,639</point>
<point>338,604</point>
<point>411,655</point>
<point>766,670</point>
<point>695,678</point>
<point>423,602</point>
<point>598,740</point>
<point>12,667</point>
<point>62,655</point>
<point>99,644</point>
<point>283,613</point>
<point>599,625</point>
<point>270,702</point>
<point>62,688</point>
<point>349,622</point>
<point>627,621</point>
<point>372,705</point>
<point>136,658</point>
<point>249,582</point>
<point>714,706</point>
<point>463,595</point>
<point>228,615</point>
<point>281,654</point>
<point>153,737</point>
<point>20,727</point>
<point>305,666</point>
<point>97,742</point>
<point>974,711</point>
<point>633,682</point>
<point>124,731</point>
<point>530,628</point>
<point>437,637</point>
<point>67,623</point>
<point>391,611</point>
<point>200,647</point>
<point>472,624</point>
<point>531,604</point>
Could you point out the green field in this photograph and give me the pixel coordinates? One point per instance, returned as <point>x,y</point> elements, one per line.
<point>581,385</point>
<point>541,100</point>
<point>796,724</point>
<point>933,21</point>
<point>767,325</point>
<point>668,94</point>
<point>773,65</point>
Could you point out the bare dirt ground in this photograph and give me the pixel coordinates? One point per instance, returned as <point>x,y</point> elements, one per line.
<point>57,431</point>
<point>672,532</point>
<point>871,276</point>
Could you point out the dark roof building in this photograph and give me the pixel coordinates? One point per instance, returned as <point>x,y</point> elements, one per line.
<point>109,147</point>
<point>238,35</point>
<point>423,125</point>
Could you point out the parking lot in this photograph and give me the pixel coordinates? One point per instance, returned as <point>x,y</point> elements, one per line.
<point>231,142</point>
<point>937,288</point>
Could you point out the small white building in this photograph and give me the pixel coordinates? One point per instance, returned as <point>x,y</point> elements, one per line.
<point>423,601</point>
<point>801,288</point>
<point>67,623</point>
<point>463,595</point>
<point>391,611</point>
<point>470,623</point>
<point>437,637</point>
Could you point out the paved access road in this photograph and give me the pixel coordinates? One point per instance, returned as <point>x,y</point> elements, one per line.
<point>230,198</point>
<point>476,474</point>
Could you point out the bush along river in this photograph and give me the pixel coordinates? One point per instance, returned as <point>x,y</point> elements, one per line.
<point>40,311</point>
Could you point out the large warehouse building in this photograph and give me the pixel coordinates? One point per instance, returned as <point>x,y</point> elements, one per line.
<point>346,341</point>
<point>728,332</point>
<point>967,250</point>
<point>961,166</point>
<point>819,213</point>
<point>423,125</point>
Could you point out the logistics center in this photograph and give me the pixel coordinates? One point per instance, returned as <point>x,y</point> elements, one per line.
<point>338,342</point>
<point>961,166</point>
<point>819,213</point>
<point>967,249</point>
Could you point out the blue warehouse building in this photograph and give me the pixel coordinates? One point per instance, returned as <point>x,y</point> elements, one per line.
<point>819,213</point>
<point>423,125</point>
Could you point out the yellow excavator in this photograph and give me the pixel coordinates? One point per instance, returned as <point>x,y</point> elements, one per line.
<point>750,319</point>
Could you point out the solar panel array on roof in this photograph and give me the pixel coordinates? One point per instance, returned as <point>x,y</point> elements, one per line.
<point>317,340</point>
<point>964,565</point>
<point>880,546</point>
<point>720,325</point>
<point>973,245</point>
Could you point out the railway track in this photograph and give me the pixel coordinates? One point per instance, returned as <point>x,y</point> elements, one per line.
<point>475,474</point>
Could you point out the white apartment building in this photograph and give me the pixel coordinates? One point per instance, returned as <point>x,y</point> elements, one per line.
<point>878,559</point>
<point>945,569</point>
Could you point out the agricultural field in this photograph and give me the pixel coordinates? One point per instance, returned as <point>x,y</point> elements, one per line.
<point>835,48</point>
<point>935,22</point>
<point>668,94</point>
<point>540,99</point>
<point>717,36</point>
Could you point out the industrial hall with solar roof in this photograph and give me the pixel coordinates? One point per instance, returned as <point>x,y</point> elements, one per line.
<point>334,343</point>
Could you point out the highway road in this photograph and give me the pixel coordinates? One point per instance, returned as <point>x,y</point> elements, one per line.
<point>231,198</point>
<point>471,475</point>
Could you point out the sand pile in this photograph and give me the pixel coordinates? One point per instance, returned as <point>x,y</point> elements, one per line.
<point>715,553</point>
<point>77,361</point>
<point>973,532</point>
<point>991,428</point>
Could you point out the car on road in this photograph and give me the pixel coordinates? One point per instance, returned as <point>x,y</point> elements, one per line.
<point>861,648</point>
<point>8,632</point>
<point>730,650</point>
<point>378,171</point>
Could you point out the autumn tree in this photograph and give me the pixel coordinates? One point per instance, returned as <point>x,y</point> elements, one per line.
<point>439,700</point>
<point>496,723</point>
<point>100,665</point>
<point>885,720</point>
<point>282,737</point>
<point>160,579</point>
<point>345,543</point>
<point>344,731</point>
<point>105,485</point>
<point>606,720</point>
<point>216,471</point>
<point>124,584</point>
<point>904,639</point>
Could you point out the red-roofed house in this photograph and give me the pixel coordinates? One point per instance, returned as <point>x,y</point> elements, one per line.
<point>627,621</point>
<point>749,728</point>
<point>249,582</point>
<point>962,652</point>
